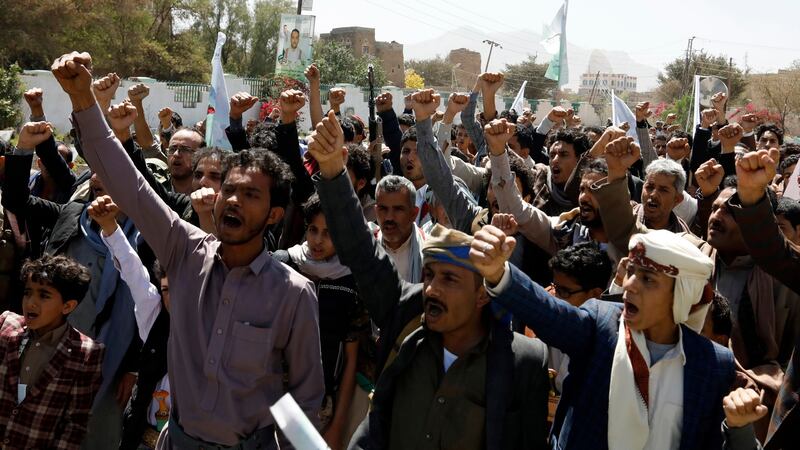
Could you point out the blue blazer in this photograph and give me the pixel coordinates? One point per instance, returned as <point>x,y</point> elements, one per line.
<point>589,335</point>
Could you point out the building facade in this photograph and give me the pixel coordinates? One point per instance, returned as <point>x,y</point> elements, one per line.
<point>617,82</point>
<point>362,42</point>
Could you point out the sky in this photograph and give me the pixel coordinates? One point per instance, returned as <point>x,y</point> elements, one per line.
<point>651,32</point>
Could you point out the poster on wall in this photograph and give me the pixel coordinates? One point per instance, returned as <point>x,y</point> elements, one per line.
<point>294,45</point>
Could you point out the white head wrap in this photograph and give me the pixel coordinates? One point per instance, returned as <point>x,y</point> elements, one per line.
<point>666,252</point>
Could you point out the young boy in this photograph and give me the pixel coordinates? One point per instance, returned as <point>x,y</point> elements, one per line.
<point>50,371</point>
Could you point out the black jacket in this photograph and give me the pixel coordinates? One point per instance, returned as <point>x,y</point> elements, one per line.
<point>517,383</point>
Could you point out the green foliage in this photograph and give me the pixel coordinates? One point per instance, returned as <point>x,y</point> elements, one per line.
<point>674,82</point>
<point>538,86</point>
<point>337,64</point>
<point>10,93</point>
<point>682,108</point>
<point>436,71</point>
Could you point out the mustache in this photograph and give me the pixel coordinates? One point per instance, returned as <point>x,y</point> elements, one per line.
<point>390,223</point>
<point>431,301</point>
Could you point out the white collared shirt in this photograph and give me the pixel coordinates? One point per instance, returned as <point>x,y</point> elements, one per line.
<point>400,257</point>
<point>665,409</point>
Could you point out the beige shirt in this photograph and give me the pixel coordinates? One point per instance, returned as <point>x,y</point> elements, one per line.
<point>38,352</point>
<point>232,330</point>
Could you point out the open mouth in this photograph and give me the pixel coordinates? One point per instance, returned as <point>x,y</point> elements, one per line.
<point>434,308</point>
<point>630,310</point>
<point>556,171</point>
<point>651,205</point>
<point>231,220</point>
<point>31,316</point>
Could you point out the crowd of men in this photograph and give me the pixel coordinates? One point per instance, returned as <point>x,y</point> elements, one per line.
<point>503,283</point>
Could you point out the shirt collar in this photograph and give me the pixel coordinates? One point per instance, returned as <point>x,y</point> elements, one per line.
<point>256,266</point>
<point>52,337</point>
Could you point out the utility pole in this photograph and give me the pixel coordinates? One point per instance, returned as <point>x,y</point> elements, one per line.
<point>299,7</point>
<point>685,80</point>
<point>492,45</point>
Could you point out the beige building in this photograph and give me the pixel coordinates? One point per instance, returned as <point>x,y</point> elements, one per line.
<point>466,67</point>
<point>362,41</point>
<point>618,82</point>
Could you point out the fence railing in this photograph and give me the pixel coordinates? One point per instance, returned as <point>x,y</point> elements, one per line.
<point>189,94</point>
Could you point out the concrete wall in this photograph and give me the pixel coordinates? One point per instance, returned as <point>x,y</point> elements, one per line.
<point>58,107</point>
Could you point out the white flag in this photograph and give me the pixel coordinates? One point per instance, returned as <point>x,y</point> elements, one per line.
<point>218,117</point>
<point>555,42</point>
<point>621,113</point>
<point>696,103</point>
<point>517,105</point>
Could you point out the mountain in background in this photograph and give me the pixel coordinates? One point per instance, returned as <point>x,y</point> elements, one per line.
<point>517,45</point>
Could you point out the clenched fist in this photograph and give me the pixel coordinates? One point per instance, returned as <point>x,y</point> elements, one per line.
<point>643,111</point>
<point>709,176</point>
<point>557,114</point>
<point>497,134</point>
<point>240,103</point>
<point>505,223</point>
<point>138,92</point>
<point>336,97</point>
<point>455,104</point>
<point>678,148</point>
<point>105,88</point>
<point>425,103</point>
<point>491,82</point>
<point>755,171</point>
<point>312,74</point>
<point>33,134</point>
<point>326,145</point>
<point>383,102</point>
<point>104,211</point>
<point>165,117</point>
<point>490,251</point>
<point>742,407</point>
<point>290,102</point>
<point>203,200</point>
<point>121,116</point>
<point>620,154</point>
<point>729,136</point>
<point>707,118</point>
<point>73,71</point>
<point>749,122</point>
<point>33,97</point>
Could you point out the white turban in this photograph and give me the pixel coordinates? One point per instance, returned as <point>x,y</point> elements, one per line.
<point>668,253</point>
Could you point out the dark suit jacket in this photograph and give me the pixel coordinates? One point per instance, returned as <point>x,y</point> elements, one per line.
<point>781,259</point>
<point>588,335</point>
<point>516,380</point>
<point>55,412</point>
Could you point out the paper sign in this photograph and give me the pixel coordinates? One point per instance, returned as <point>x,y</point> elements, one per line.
<point>296,426</point>
<point>792,190</point>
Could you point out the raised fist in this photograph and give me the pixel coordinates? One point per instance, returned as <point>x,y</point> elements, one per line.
<point>678,148</point>
<point>557,114</point>
<point>624,126</point>
<point>290,102</point>
<point>203,200</point>
<point>490,251</point>
<point>104,211</point>
<point>620,154</point>
<point>312,74</point>
<point>491,82</point>
<point>505,223</point>
<point>674,127</point>
<point>497,134</point>
<point>456,103</point>
<point>671,118</point>
<point>643,111</point>
<point>730,135</point>
<point>165,117</point>
<point>121,116</point>
<point>326,145</point>
<point>609,134</point>
<point>138,92</point>
<point>407,101</point>
<point>718,101</point>
<point>708,117</point>
<point>383,102</point>
<point>573,120</point>
<point>709,176</point>
<point>34,98</point>
<point>74,73</point>
<point>336,97</point>
<point>755,171</point>
<point>425,103</point>
<point>240,103</point>
<point>33,134</point>
<point>742,407</point>
<point>105,88</point>
<point>749,122</point>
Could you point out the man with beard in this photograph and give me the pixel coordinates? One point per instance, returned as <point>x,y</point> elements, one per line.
<point>662,191</point>
<point>548,233</point>
<point>456,379</point>
<point>222,383</point>
<point>397,232</point>
<point>182,146</point>
<point>412,171</point>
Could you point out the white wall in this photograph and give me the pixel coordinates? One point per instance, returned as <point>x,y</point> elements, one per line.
<point>58,108</point>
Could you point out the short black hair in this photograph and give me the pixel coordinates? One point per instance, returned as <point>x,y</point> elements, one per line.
<point>295,30</point>
<point>732,182</point>
<point>593,129</point>
<point>208,152</point>
<point>525,137</point>
<point>348,129</point>
<point>264,136</point>
<point>789,209</point>
<point>577,139</point>
<point>409,135</point>
<point>509,114</point>
<point>720,311</point>
<point>311,208</point>
<point>789,161</point>
<point>269,164</point>
<point>764,127</point>
<point>789,148</point>
<point>358,161</point>
<point>177,120</point>
<point>70,158</point>
<point>524,173</point>
<point>596,165</point>
<point>407,119</point>
<point>64,274</point>
<point>680,134</point>
<point>586,263</point>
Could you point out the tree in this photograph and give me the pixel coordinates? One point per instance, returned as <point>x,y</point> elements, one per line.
<point>435,71</point>
<point>10,93</point>
<point>538,86</point>
<point>414,80</point>
<point>682,108</point>
<point>337,64</point>
<point>675,81</point>
<point>779,92</point>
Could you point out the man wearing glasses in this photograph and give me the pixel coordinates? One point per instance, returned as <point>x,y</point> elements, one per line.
<point>182,146</point>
